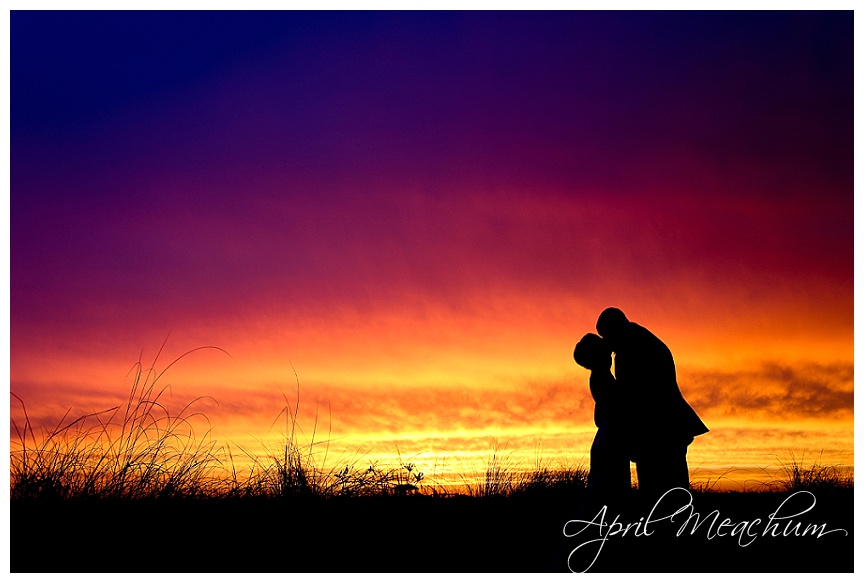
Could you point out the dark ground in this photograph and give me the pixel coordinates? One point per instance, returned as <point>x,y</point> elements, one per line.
<point>519,533</point>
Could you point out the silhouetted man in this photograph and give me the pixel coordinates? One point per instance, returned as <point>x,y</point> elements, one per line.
<point>660,423</point>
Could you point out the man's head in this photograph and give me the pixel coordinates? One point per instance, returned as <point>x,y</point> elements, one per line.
<point>611,325</point>
<point>592,353</point>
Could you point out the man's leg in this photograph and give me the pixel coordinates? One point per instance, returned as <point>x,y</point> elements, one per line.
<point>661,470</point>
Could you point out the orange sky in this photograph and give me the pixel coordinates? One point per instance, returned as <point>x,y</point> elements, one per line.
<point>440,385</point>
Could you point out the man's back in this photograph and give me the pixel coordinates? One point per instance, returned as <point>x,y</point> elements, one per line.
<point>645,372</point>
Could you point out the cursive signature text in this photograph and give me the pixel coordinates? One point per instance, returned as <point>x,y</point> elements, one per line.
<point>780,523</point>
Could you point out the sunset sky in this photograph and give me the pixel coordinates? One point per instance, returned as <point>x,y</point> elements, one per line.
<point>415,216</point>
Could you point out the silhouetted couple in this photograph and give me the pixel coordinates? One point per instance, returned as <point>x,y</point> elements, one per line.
<point>639,412</point>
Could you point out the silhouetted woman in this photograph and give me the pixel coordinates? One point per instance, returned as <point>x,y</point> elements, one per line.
<point>609,475</point>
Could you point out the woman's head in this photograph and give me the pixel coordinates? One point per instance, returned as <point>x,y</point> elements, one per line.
<point>592,352</point>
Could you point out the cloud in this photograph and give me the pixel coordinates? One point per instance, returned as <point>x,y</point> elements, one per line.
<point>768,394</point>
<point>774,391</point>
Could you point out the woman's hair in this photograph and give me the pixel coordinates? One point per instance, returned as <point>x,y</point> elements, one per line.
<point>591,351</point>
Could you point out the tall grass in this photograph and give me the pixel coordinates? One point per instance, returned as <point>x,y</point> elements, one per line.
<point>141,450</point>
<point>286,471</point>
<point>816,476</point>
<point>132,451</point>
<point>502,478</point>
<point>294,467</point>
